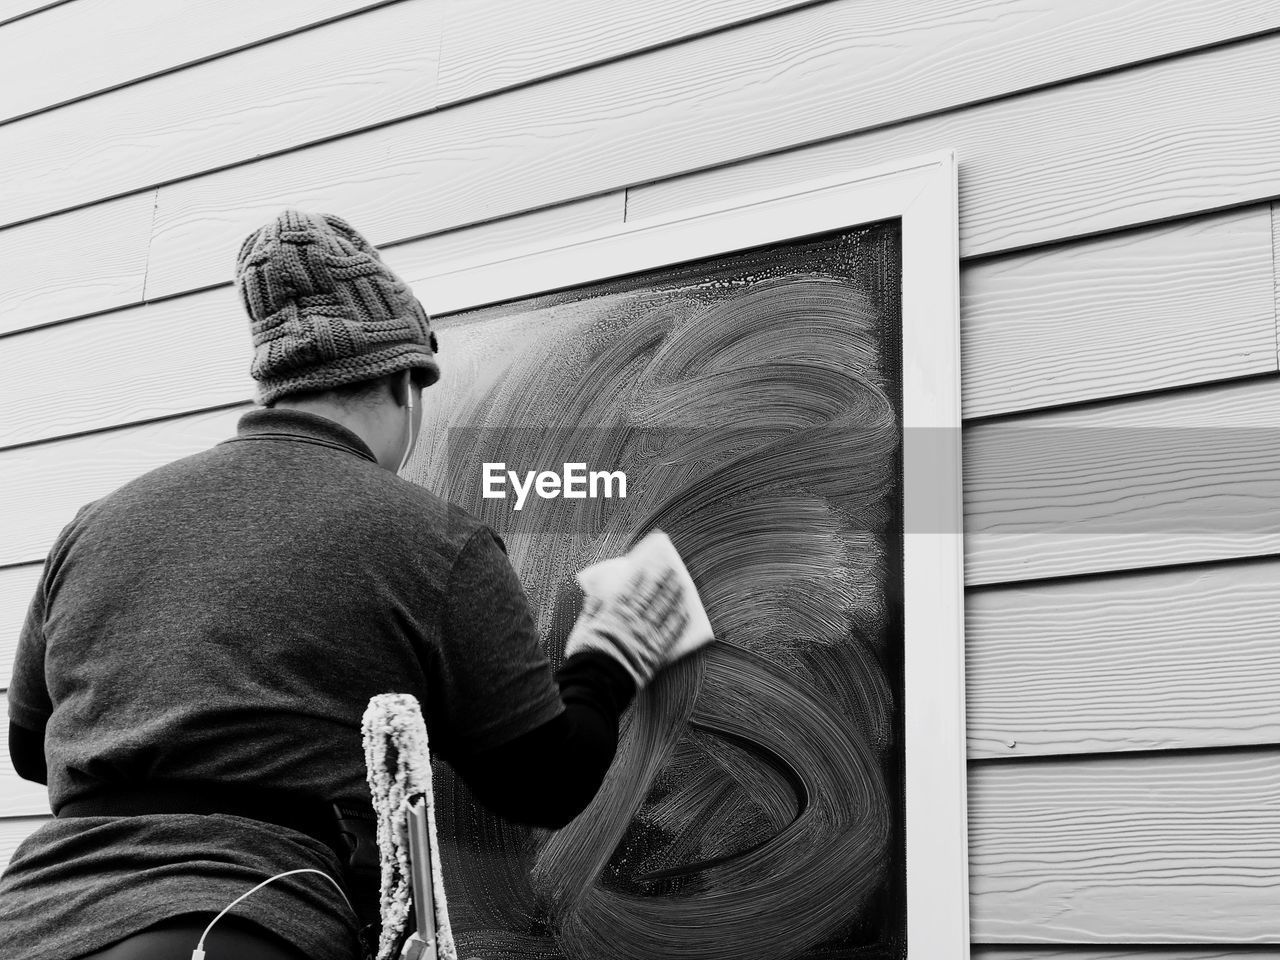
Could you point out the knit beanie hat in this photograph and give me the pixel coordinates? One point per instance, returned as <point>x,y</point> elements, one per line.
<point>324,309</point>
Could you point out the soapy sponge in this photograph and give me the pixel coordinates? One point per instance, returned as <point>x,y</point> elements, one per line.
<point>657,556</point>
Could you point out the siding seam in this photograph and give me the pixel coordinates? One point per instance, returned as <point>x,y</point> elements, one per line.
<point>151,239</point>
<point>1123,756</point>
<point>1011,416</point>
<point>123,425</point>
<point>20,563</point>
<point>446,7</point>
<point>642,51</point>
<point>32,13</point>
<point>388,245</point>
<point>1207,563</point>
<point>104,311</point>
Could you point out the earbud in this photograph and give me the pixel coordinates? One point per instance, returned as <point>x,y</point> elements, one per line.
<point>408,440</point>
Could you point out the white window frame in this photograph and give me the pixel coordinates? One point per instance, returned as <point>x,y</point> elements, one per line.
<point>922,193</point>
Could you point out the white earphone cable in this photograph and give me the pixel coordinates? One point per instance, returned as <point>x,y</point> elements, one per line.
<point>198,952</point>
<point>408,439</point>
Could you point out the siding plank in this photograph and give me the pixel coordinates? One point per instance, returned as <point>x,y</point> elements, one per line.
<point>48,482</point>
<point>1187,476</point>
<point>1181,303</point>
<point>197,347</point>
<point>61,267</point>
<point>1155,142</point>
<point>427,257</point>
<point>142,363</point>
<point>103,43</point>
<point>13,832</point>
<point>1168,659</point>
<point>374,67</point>
<point>1160,849</point>
<point>1121,149</point>
<point>17,587</point>
<point>18,797</point>
<point>490,45</point>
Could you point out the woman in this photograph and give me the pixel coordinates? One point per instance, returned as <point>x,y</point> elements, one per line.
<point>192,672</point>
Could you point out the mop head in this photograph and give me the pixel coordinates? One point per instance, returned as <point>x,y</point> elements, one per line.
<point>399,767</point>
<point>655,553</point>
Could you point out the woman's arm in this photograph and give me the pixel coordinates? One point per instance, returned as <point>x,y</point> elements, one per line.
<point>547,776</point>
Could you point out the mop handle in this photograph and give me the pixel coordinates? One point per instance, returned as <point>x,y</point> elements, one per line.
<point>424,903</point>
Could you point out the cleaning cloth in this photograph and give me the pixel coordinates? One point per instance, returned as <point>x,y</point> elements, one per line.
<point>655,554</point>
<point>399,769</point>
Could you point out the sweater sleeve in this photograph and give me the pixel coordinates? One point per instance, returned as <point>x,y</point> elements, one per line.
<point>490,680</point>
<point>533,746</point>
<point>547,776</point>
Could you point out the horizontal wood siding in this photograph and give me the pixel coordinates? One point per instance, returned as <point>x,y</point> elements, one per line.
<point>490,45</point>
<point>1176,658</point>
<point>101,44</point>
<point>1067,161</point>
<point>320,83</point>
<point>1122,146</point>
<point>1038,327</point>
<point>78,263</point>
<point>1118,297</point>
<point>198,345</point>
<point>48,482</point>
<point>1150,481</point>
<point>63,268</point>
<point>1150,849</point>
<point>1181,303</point>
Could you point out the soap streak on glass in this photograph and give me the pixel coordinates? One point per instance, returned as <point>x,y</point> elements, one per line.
<point>754,808</point>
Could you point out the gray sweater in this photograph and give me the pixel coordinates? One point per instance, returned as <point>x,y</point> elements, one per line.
<point>226,619</point>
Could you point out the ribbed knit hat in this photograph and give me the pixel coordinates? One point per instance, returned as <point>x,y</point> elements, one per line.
<point>324,309</point>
